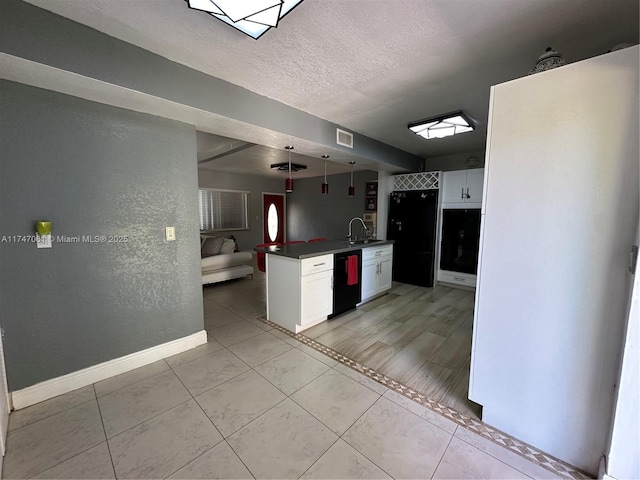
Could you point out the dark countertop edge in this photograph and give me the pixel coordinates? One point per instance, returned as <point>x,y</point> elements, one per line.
<point>301,251</point>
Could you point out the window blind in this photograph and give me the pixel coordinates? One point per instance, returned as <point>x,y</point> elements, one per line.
<point>223,210</point>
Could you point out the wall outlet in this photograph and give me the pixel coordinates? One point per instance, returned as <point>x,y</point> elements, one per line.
<point>170,234</point>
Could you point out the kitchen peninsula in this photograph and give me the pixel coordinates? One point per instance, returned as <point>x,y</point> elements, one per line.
<point>303,285</point>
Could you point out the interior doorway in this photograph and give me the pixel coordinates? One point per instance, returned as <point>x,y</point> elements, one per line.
<point>273,217</point>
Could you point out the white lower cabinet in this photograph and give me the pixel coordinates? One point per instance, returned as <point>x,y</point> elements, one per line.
<point>376,270</point>
<point>317,297</point>
<point>299,292</point>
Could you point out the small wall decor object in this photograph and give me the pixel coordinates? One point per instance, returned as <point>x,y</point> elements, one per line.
<point>548,60</point>
<point>371,204</point>
<point>372,189</point>
<point>43,237</point>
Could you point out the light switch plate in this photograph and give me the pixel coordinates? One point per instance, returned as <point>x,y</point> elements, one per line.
<point>43,241</point>
<point>170,234</point>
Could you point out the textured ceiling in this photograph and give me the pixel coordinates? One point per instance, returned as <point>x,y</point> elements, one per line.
<point>373,66</point>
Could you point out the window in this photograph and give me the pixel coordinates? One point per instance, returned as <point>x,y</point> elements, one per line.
<point>223,210</point>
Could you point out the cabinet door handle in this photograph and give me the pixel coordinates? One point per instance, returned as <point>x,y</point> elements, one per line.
<point>318,264</point>
<point>462,192</point>
<point>460,279</point>
<point>468,196</point>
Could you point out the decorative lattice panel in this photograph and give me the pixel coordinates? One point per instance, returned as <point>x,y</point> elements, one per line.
<point>417,181</point>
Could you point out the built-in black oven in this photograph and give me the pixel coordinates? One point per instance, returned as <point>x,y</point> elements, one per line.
<point>460,240</point>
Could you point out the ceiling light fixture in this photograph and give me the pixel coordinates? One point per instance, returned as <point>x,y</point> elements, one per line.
<point>288,184</point>
<point>443,126</point>
<point>352,189</point>
<point>251,17</point>
<point>325,185</point>
<point>284,166</point>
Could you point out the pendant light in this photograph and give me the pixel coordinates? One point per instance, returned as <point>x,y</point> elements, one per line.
<point>352,189</point>
<point>325,185</point>
<point>289,181</point>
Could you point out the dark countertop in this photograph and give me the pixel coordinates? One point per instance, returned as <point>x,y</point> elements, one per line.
<point>314,249</point>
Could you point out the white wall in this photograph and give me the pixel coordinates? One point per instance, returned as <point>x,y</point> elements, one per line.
<point>559,213</point>
<point>623,458</point>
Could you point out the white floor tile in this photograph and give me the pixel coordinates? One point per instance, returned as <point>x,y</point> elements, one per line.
<point>342,461</point>
<point>292,370</point>
<point>335,400</point>
<point>164,444</point>
<point>238,401</point>
<point>141,401</point>
<point>219,462</point>
<point>209,371</point>
<point>44,444</point>
<point>180,359</point>
<point>462,461</point>
<point>129,378</point>
<point>282,443</point>
<point>20,418</point>
<point>259,349</point>
<point>95,463</point>
<point>399,442</point>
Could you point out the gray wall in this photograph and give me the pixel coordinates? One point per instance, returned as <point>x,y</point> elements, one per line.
<point>247,239</point>
<point>311,214</point>
<point>93,170</point>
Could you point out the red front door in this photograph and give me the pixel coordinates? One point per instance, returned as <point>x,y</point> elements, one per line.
<point>273,217</point>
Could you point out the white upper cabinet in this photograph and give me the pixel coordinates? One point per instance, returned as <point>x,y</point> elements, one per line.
<point>463,186</point>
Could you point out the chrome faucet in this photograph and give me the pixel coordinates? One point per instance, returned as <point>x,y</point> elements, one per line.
<point>350,236</point>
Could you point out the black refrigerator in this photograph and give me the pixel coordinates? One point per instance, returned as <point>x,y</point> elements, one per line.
<point>412,225</point>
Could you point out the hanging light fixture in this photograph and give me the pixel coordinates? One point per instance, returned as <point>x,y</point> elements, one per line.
<point>325,185</point>
<point>289,181</point>
<point>352,189</point>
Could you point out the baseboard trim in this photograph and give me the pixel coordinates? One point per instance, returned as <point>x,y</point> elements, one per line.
<point>66,383</point>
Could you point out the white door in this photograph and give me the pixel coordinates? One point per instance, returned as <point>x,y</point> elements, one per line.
<point>317,296</point>
<point>369,278</point>
<point>384,274</point>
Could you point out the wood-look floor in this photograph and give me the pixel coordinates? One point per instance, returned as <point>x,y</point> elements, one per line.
<point>420,337</point>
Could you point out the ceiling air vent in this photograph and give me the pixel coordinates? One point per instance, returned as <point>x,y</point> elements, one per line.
<point>344,138</point>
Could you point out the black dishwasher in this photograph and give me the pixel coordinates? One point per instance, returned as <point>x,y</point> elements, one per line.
<point>347,292</point>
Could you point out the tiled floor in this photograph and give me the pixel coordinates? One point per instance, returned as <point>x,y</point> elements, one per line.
<point>253,402</point>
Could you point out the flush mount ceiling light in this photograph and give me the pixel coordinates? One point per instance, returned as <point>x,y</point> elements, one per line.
<point>252,17</point>
<point>442,126</point>
<point>284,166</point>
